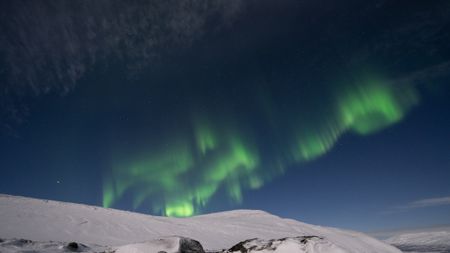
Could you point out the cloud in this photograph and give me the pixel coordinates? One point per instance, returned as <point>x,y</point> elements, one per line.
<point>428,203</point>
<point>427,74</point>
<point>50,45</point>
<point>421,203</point>
<point>47,46</point>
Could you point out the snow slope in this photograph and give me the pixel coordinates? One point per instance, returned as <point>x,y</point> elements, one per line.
<point>166,244</point>
<point>424,241</point>
<point>300,244</point>
<point>422,238</point>
<point>44,220</point>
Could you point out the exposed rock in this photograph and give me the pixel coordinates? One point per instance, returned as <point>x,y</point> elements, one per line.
<point>28,246</point>
<point>76,247</point>
<point>171,244</point>
<point>190,246</point>
<point>240,246</point>
<point>72,246</point>
<point>300,244</point>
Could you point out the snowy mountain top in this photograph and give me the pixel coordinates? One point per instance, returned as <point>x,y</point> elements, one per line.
<point>235,213</point>
<point>429,240</point>
<point>44,220</point>
<point>422,238</point>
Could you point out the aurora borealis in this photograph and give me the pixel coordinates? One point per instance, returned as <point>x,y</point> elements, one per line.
<point>321,111</point>
<point>183,176</point>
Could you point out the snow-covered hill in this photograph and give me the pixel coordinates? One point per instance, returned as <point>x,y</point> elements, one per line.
<point>423,241</point>
<point>44,220</point>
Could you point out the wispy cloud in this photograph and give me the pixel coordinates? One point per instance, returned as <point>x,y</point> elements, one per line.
<point>427,203</point>
<point>421,203</point>
<point>47,46</point>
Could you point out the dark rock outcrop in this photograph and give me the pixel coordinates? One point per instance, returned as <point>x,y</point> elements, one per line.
<point>72,246</point>
<point>256,245</point>
<point>76,247</point>
<point>188,245</point>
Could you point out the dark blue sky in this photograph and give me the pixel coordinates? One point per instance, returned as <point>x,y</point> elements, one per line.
<point>331,113</point>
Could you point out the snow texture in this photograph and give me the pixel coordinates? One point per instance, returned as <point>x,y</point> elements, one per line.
<point>299,244</point>
<point>28,246</point>
<point>167,245</point>
<point>45,220</point>
<point>426,241</point>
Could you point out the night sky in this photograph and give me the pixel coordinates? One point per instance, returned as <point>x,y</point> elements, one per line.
<point>331,112</point>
